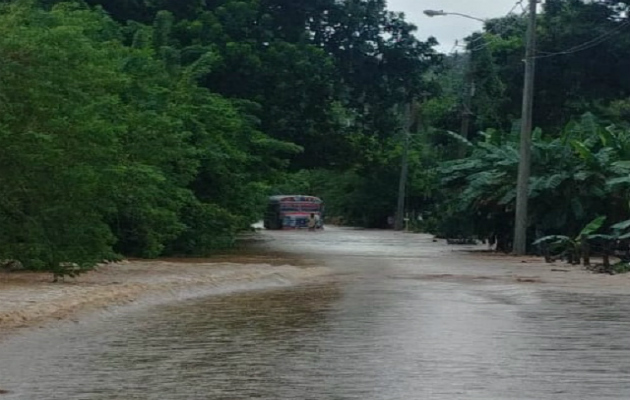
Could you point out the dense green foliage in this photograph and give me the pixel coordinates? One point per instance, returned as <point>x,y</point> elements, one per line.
<point>144,128</point>
<point>464,186</point>
<point>112,148</point>
<point>580,152</point>
<point>147,128</point>
<point>578,174</point>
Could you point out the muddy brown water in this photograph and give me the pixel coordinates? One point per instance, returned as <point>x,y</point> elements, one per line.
<point>401,318</point>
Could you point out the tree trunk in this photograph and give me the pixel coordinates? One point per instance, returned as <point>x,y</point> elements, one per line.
<point>502,244</point>
<point>606,257</point>
<point>586,256</point>
<point>547,254</point>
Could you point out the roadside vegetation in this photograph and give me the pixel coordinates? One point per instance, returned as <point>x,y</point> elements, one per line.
<point>152,128</point>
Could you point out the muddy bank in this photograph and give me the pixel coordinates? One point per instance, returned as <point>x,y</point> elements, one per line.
<point>31,300</point>
<point>399,318</point>
<point>556,275</point>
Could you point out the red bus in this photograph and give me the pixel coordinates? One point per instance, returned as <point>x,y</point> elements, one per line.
<point>293,211</point>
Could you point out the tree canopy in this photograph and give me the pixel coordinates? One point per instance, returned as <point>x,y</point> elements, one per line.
<point>581,97</point>
<point>147,128</point>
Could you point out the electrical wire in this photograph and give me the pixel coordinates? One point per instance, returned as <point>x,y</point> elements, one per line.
<point>588,44</point>
<point>575,49</point>
<point>519,2</point>
<point>455,46</point>
<point>502,31</point>
<point>523,7</point>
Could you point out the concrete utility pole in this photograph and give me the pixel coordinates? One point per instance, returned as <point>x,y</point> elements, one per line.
<point>399,224</point>
<point>469,88</point>
<point>468,91</point>
<point>522,185</point>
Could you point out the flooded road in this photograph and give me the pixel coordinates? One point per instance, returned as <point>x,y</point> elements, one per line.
<point>400,318</point>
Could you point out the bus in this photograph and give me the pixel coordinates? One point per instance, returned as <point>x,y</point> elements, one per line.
<point>292,211</point>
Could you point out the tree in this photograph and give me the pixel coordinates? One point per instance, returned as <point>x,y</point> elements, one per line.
<point>576,177</point>
<point>58,90</point>
<point>109,148</point>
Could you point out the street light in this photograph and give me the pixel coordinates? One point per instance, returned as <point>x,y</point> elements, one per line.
<point>522,185</point>
<point>439,13</point>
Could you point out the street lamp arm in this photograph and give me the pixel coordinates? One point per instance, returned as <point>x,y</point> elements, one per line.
<point>439,13</point>
<point>467,16</point>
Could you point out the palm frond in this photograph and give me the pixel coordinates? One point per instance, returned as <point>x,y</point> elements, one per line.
<point>593,226</point>
<point>459,138</point>
<point>583,151</point>
<point>620,226</point>
<point>553,239</point>
<point>624,180</point>
<point>589,124</point>
<point>577,208</point>
<point>508,197</point>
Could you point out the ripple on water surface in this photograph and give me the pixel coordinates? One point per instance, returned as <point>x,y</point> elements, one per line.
<point>357,339</point>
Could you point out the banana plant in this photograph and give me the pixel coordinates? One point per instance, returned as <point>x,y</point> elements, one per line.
<point>620,233</point>
<point>574,248</point>
<point>577,174</point>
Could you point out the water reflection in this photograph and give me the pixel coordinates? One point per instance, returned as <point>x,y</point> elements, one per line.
<point>386,329</point>
<point>194,349</point>
<point>358,339</point>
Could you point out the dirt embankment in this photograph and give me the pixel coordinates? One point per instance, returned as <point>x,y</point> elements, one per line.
<point>556,275</point>
<point>30,299</point>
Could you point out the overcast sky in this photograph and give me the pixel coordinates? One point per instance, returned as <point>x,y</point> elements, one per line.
<point>448,29</point>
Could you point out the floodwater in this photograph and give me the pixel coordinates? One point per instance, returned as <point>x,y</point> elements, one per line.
<point>401,318</point>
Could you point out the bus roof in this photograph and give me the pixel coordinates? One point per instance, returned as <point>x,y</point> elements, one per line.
<point>296,197</point>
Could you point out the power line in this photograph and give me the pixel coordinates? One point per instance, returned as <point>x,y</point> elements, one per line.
<point>488,42</point>
<point>502,31</point>
<point>455,46</point>
<point>519,2</point>
<point>588,44</point>
<point>575,49</point>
